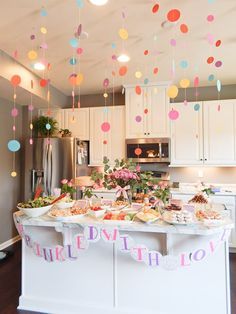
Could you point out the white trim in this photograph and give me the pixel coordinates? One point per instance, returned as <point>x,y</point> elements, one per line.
<point>9,242</point>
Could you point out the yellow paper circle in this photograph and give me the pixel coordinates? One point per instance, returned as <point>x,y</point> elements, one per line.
<point>184,83</point>
<point>138,74</point>
<point>13,174</point>
<point>105,95</point>
<point>79,79</point>
<point>172,91</point>
<point>43,30</point>
<point>123,33</point>
<point>32,55</point>
<point>31,126</point>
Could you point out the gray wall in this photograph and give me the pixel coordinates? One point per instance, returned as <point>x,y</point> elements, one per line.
<point>10,190</point>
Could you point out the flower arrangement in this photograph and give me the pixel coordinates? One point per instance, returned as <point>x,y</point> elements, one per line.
<point>67,187</point>
<point>162,191</point>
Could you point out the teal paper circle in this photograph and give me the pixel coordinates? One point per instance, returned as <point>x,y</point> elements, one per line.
<point>196,107</point>
<point>48,126</point>
<point>13,145</point>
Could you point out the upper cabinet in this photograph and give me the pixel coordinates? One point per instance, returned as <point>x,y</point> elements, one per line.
<point>206,136</point>
<point>220,132</point>
<point>186,135</point>
<point>110,143</point>
<point>147,113</point>
<point>57,114</point>
<point>77,121</point>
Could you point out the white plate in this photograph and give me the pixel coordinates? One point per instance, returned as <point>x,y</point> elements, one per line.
<point>149,221</point>
<point>179,223</point>
<point>66,218</point>
<point>35,212</point>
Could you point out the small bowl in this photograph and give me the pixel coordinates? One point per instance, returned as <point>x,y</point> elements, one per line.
<point>97,213</point>
<point>63,205</point>
<point>35,212</point>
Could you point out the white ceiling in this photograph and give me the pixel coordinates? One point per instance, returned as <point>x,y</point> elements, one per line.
<point>20,19</point>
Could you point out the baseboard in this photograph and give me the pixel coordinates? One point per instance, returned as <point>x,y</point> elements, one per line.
<point>9,242</point>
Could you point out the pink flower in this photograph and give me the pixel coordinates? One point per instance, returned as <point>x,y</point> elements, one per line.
<point>64,181</point>
<point>138,168</point>
<point>70,184</point>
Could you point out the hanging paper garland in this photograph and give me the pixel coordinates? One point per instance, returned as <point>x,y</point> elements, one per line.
<point>172,91</point>
<point>155,8</point>
<point>173,114</point>
<point>173,15</point>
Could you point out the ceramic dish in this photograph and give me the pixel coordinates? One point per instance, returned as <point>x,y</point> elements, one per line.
<point>36,211</point>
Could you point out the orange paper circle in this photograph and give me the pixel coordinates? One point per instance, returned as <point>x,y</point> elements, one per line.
<point>184,28</point>
<point>15,80</point>
<point>173,15</point>
<point>138,90</point>
<point>138,151</point>
<point>123,70</point>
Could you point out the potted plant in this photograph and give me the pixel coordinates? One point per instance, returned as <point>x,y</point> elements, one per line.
<point>44,126</point>
<point>65,132</point>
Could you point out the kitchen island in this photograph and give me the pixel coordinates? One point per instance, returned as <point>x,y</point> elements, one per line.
<point>92,267</point>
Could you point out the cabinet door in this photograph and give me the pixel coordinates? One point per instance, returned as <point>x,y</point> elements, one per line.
<point>134,105</point>
<point>219,132</point>
<point>157,116</point>
<point>57,114</point>
<point>98,148</point>
<point>117,133</point>
<point>186,135</point>
<point>77,122</point>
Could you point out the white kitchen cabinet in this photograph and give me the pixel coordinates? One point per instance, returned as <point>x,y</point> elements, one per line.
<point>77,121</point>
<point>206,136</point>
<point>57,114</point>
<point>146,114</point>
<point>220,132</point>
<point>111,143</point>
<point>186,135</point>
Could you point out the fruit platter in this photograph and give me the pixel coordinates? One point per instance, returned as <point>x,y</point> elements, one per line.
<point>118,216</point>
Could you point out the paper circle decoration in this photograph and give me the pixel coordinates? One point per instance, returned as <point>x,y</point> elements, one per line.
<point>196,81</point>
<point>105,95</point>
<point>43,82</point>
<point>184,28</point>
<point>79,50</point>
<point>173,15</point>
<point>196,107</point>
<point>13,145</point>
<point>14,128</point>
<point>32,55</point>
<point>184,83</point>
<point>172,91</point>
<point>32,37</point>
<point>173,42</point>
<point>105,126</point>
<point>138,90</point>
<point>105,142</point>
<point>218,85</point>
<point>218,64</point>
<point>113,46</point>
<point>30,107</point>
<point>155,8</point>
<point>123,70</point>
<point>15,80</point>
<point>48,126</point>
<point>106,82</point>
<point>211,77</point>
<point>173,114</point>
<point>79,78</point>
<point>31,141</point>
<point>155,71</point>
<point>13,174</point>
<point>43,12</point>
<point>138,119</point>
<point>210,60</point>
<point>80,3</point>
<point>184,64</point>
<point>73,61</point>
<point>31,126</point>
<point>145,111</point>
<point>43,30</point>
<point>146,52</point>
<point>218,43</point>
<point>123,33</point>
<point>210,18</point>
<point>14,112</point>
<point>138,151</point>
<point>146,81</point>
<point>74,42</point>
<point>138,74</point>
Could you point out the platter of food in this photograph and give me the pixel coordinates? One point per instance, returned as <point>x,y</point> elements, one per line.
<point>210,217</point>
<point>118,217</point>
<point>37,207</point>
<point>118,205</point>
<point>176,217</point>
<point>148,215</point>
<point>67,214</point>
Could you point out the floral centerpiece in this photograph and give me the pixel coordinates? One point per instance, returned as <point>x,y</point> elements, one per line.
<point>162,191</point>
<point>68,187</point>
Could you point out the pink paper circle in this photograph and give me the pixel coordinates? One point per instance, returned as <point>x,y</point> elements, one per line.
<point>14,128</point>
<point>173,114</point>
<point>173,42</point>
<point>114,57</point>
<point>31,141</point>
<point>218,64</point>
<point>138,118</point>
<point>31,107</point>
<point>105,126</point>
<point>79,51</point>
<point>14,112</point>
<point>106,82</point>
<point>210,18</point>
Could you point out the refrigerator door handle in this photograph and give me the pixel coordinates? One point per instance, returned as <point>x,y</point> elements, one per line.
<point>49,169</point>
<point>45,168</point>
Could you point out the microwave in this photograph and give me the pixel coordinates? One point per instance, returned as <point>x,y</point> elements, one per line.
<point>148,150</point>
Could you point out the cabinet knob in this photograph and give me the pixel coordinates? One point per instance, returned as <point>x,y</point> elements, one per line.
<point>205,159</point>
<point>145,133</point>
<point>148,133</point>
<point>201,159</point>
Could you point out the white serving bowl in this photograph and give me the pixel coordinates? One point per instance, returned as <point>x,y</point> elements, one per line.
<point>97,213</point>
<point>35,212</point>
<point>63,205</point>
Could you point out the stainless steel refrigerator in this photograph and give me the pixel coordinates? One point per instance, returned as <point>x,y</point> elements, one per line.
<point>48,162</point>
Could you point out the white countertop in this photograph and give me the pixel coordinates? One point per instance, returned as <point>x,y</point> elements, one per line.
<point>191,191</point>
<point>158,226</point>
